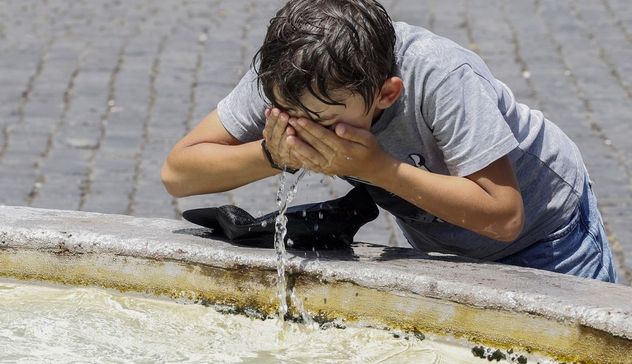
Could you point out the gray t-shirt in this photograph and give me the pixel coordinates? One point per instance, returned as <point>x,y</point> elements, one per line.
<point>453,118</point>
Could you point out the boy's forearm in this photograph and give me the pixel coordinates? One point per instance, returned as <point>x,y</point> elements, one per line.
<point>457,200</point>
<point>209,167</point>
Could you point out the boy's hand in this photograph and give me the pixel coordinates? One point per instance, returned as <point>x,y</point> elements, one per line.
<point>343,151</point>
<point>275,133</point>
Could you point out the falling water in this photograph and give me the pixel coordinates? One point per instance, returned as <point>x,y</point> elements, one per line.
<point>279,239</point>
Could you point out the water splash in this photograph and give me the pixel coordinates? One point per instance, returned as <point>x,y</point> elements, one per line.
<point>296,302</point>
<point>280,231</point>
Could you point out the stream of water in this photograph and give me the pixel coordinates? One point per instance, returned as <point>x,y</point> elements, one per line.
<point>283,199</point>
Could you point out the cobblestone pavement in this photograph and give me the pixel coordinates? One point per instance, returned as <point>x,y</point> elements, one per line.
<point>94,93</point>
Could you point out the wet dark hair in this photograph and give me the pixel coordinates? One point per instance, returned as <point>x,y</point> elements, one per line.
<point>320,46</point>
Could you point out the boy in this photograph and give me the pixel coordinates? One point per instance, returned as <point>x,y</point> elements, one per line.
<point>340,89</point>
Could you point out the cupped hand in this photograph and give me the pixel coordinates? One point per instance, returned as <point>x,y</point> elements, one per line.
<point>275,133</point>
<point>343,151</point>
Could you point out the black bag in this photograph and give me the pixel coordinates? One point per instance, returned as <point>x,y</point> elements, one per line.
<point>324,225</point>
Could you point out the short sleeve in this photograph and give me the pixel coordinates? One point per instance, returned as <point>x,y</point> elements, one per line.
<point>462,112</point>
<point>241,111</point>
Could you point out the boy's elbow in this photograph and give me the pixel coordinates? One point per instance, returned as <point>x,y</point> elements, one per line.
<point>512,227</point>
<point>169,179</point>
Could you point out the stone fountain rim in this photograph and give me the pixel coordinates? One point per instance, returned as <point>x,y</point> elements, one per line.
<point>569,299</point>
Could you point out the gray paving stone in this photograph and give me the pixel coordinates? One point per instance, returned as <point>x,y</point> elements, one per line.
<point>584,87</point>
<point>109,203</point>
<point>59,191</point>
<point>14,194</point>
<point>160,209</point>
<point>210,200</point>
<point>66,161</point>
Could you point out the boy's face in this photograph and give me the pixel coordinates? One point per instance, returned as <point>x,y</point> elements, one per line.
<point>352,113</point>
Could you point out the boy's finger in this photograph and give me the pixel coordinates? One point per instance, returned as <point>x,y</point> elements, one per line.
<point>314,129</point>
<point>279,126</point>
<point>350,133</point>
<point>269,126</point>
<point>322,144</point>
<point>305,163</point>
<point>305,152</point>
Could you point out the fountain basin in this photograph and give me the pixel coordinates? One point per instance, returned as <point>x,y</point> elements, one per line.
<point>564,317</point>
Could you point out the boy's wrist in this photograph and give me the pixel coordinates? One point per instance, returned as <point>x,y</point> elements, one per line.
<point>271,161</point>
<point>385,171</point>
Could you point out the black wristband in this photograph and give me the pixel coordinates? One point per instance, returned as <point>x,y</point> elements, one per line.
<point>266,152</point>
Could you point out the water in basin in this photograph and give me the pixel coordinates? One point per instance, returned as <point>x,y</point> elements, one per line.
<point>41,323</point>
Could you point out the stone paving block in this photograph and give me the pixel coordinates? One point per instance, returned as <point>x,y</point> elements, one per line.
<point>620,56</point>
<point>258,196</point>
<point>207,97</point>
<point>17,79</point>
<point>412,12</point>
<point>21,160</point>
<point>107,204</point>
<point>119,148</point>
<point>46,95</point>
<point>151,195</point>
<point>17,176</point>
<point>151,189</point>
<point>178,62</point>
<point>208,200</point>
<point>155,153</point>
<point>49,108</point>
<point>8,97</point>
<point>223,74</point>
<point>59,193</point>
<point>172,94</point>
<point>117,186</point>
<point>92,82</point>
<point>31,131</point>
<point>67,161</point>
<point>132,100</point>
<point>102,58</point>
<point>84,113</point>
<point>9,114</point>
<point>617,218</point>
<point>610,192</point>
<point>125,124</point>
<point>613,113</point>
<point>152,161</point>
<point>83,136</point>
<point>311,190</point>
<point>14,194</point>
<point>623,234</point>
<point>622,10</point>
<point>377,231</point>
<point>169,120</point>
<point>112,169</point>
<point>161,209</point>
<point>450,20</point>
<point>25,160</point>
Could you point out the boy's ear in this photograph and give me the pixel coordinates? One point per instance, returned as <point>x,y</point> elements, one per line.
<point>389,93</point>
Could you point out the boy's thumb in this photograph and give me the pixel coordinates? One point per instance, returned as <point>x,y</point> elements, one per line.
<point>351,133</point>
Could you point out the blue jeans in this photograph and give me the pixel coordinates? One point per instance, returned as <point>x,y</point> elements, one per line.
<point>579,247</point>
